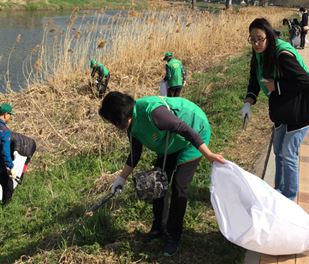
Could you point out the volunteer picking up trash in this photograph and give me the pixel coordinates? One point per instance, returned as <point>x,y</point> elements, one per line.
<point>148,121</point>
<point>7,171</point>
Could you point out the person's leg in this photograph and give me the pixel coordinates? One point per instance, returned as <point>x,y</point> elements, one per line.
<point>279,133</point>
<point>182,178</point>
<point>290,148</point>
<point>302,39</point>
<point>171,92</point>
<point>177,92</point>
<point>7,186</point>
<point>158,204</point>
<point>305,39</point>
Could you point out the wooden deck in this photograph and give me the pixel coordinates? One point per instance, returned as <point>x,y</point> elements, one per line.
<point>303,201</point>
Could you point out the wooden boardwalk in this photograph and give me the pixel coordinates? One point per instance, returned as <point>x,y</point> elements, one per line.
<point>303,201</point>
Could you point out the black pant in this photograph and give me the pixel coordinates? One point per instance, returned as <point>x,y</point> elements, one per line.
<point>303,39</point>
<point>182,177</point>
<point>7,185</point>
<point>174,91</point>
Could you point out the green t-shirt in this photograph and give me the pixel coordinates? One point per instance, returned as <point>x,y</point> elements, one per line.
<point>144,129</point>
<point>174,72</point>
<point>280,46</point>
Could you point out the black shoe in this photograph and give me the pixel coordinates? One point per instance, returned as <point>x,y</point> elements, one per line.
<point>153,234</point>
<point>170,247</point>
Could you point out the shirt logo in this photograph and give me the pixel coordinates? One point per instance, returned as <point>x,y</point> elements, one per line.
<point>155,136</point>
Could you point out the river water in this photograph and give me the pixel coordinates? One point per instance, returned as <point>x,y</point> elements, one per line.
<point>21,32</point>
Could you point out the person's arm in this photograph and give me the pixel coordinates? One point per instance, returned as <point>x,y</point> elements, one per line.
<point>168,75</point>
<point>165,120</point>
<point>304,20</point>
<point>293,77</point>
<point>93,72</point>
<point>128,167</point>
<point>184,73</point>
<point>100,74</point>
<point>253,88</point>
<point>135,154</point>
<point>7,149</point>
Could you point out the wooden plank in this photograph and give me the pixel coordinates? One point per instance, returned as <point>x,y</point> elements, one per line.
<point>303,197</point>
<point>304,150</point>
<point>287,259</point>
<point>305,206</point>
<point>304,158</point>
<point>268,259</point>
<point>302,259</point>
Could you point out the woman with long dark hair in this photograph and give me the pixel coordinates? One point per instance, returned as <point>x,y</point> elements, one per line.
<point>280,72</point>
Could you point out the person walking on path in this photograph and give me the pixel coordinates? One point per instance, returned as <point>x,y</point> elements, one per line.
<point>304,26</point>
<point>103,75</point>
<point>279,70</point>
<point>175,75</point>
<point>147,121</point>
<point>7,172</point>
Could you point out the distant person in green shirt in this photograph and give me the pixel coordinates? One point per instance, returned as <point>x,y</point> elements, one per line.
<point>147,121</point>
<point>175,75</point>
<point>103,76</point>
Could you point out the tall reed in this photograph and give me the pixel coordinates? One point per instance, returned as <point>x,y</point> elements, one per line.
<point>58,107</point>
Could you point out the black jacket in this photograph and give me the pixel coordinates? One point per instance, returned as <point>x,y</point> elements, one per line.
<point>24,145</point>
<point>304,20</point>
<point>290,100</point>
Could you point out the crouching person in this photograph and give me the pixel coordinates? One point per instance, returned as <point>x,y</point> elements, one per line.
<point>7,172</point>
<point>147,122</point>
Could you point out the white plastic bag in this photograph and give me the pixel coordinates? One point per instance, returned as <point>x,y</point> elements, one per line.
<point>253,215</point>
<point>19,163</point>
<point>163,88</point>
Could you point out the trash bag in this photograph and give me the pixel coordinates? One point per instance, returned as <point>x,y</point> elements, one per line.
<point>253,215</point>
<point>163,88</point>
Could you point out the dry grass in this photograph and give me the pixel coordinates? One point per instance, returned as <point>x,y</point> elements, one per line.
<point>59,109</point>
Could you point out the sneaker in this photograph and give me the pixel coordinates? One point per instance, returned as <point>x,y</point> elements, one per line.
<point>170,247</point>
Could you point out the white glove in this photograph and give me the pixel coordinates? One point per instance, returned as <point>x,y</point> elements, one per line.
<point>13,173</point>
<point>245,110</point>
<point>119,182</point>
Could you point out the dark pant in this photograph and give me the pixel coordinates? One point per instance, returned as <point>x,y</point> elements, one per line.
<point>174,91</point>
<point>7,185</point>
<point>182,177</point>
<point>303,39</point>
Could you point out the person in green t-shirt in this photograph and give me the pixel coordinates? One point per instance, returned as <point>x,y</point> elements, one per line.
<point>278,70</point>
<point>147,121</point>
<point>103,76</point>
<point>175,75</point>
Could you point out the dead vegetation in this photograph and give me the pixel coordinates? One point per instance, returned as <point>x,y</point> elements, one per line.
<point>59,109</point>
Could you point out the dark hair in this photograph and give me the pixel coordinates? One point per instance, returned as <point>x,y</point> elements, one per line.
<point>302,9</point>
<point>117,108</point>
<point>269,53</point>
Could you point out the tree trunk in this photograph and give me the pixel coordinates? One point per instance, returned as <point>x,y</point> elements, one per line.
<point>228,3</point>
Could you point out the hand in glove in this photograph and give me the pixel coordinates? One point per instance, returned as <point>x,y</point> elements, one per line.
<point>12,173</point>
<point>118,183</point>
<point>245,110</point>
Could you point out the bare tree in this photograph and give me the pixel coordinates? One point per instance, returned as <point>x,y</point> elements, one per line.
<point>228,3</point>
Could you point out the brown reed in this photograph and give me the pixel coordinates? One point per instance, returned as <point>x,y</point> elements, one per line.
<point>59,109</point>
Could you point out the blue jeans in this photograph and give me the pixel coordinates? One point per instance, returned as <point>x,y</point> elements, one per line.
<point>286,145</point>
